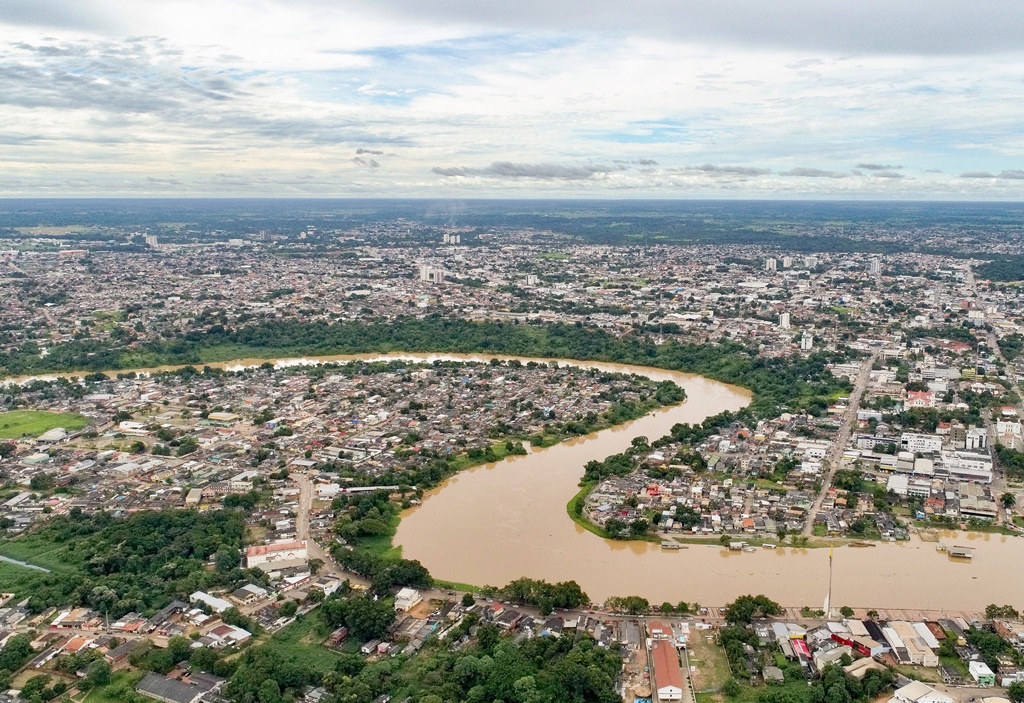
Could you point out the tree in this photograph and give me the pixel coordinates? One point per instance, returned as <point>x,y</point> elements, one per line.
<point>731,688</point>
<point>1015,692</point>
<point>315,565</point>
<point>1008,500</point>
<point>365,618</point>
<point>745,608</point>
<point>872,614</point>
<point>41,482</point>
<point>468,600</point>
<point>98,673</point>
<point>846,611</point>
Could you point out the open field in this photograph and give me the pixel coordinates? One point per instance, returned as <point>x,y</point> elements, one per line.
<point>301,643</point>
<point>32,423</point>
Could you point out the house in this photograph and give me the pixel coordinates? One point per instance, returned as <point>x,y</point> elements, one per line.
<point>249,594</point>
<point>217,605</point>
<point>982,675</point>
<point>168,690</point>
<point>407,599</point>
<point>917,692</point>
<point>668,675</point>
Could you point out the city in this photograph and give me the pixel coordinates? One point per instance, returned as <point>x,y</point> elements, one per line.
<point>307,396</point>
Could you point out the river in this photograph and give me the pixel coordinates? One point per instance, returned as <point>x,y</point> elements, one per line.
<point>497,522</point>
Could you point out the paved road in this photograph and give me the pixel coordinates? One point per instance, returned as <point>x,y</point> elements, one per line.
<point>835,452</point>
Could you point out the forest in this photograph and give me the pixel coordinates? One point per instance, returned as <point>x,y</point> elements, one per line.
<point>1004,268</point>
<point>117,565</point>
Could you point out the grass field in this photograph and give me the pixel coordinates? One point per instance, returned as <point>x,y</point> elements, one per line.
<point>121,681</point>
<point>712,665</point>
<point>301,642</point>
<point>32,423</point>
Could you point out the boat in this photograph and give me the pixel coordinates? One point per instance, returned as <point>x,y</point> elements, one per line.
<point>769,545</point>
<point>748,548</point>
<point>670,545</point>
<point>861,543</point>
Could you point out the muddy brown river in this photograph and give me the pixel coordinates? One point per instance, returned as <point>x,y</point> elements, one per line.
<point>497,522</point>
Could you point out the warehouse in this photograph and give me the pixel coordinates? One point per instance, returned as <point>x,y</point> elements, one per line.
<point>668,676</point>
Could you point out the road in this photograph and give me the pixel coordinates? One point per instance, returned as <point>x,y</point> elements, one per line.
<point>313,549</point>
<point>835,452</point>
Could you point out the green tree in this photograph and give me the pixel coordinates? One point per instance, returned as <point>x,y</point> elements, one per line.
<point>731,688</point>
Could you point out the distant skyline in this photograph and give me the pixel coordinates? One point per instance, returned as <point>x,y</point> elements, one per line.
<point>897,99</point>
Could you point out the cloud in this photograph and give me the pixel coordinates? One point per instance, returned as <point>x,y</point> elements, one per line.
<point>1011,175</point>
<point>925,27</point>
<point>714,170</point>
<point>507,169</point>
<point>812,173</point>
<point>888,174</point>
<point>878,167</point>
<point>373,152</point>
<point>369,163</point>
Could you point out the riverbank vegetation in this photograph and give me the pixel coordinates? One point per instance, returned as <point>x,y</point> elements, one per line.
<point>794,383</point>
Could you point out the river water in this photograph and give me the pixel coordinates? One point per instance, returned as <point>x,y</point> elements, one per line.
<point>497,522</point>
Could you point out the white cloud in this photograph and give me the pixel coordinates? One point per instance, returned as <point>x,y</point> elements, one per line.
<point>390,98</point>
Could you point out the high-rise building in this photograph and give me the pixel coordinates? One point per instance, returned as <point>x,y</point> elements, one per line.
<point>771,265</point>
<point>787,262</point>
<point>806,341</point>
<point>431,274</point>
<point>151,240</point>
<point>784,321</point>
<point>875,267</point>
<point>810,261</point>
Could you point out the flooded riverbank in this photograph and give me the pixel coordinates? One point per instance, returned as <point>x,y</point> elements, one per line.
<point>497,522</point>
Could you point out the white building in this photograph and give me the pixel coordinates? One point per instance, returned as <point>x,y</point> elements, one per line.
<point>968,466</point>
<point>407,599</point>
<point>217,605</point>
<point>917,692</point>
<point>806,341</point>
<point>977,438</point>
<point>281,555</point>
<point>785,321</point>
<point>921,443</point>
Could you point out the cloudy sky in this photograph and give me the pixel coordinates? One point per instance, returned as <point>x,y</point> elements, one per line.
<point>462,98</point>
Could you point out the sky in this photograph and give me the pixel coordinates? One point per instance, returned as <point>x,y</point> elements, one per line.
<point>872,99</point>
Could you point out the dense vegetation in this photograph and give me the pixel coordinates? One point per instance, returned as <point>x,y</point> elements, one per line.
<point>745,608</point>
<point>527,591</point>
<point>1005,268</point>
<point>473,664</point>
<point>793,383</point>
<point>1012,345</point>
<point>1011,460</point>
<point>118,565</point>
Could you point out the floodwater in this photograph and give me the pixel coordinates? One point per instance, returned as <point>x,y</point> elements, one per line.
<point>498,522</point>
